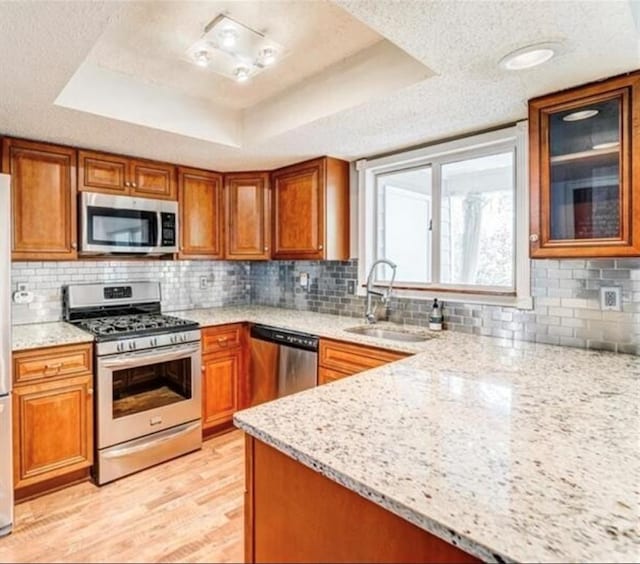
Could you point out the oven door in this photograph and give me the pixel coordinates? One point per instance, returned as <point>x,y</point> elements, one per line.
<point>144,392</point>
<point>121,224</point>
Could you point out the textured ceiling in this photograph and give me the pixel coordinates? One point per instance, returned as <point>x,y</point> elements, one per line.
<point>42,44</point>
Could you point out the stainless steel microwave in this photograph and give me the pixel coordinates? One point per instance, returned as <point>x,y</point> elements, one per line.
<point>122,224</point>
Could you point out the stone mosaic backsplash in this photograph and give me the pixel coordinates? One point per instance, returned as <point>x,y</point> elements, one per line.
<point>566,295</point>
<point>566,302</point>
<point>223,283</point>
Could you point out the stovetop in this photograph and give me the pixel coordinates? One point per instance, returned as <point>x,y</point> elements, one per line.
<point>126,326</point>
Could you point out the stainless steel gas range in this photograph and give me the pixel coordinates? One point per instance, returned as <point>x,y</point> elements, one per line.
<point>148,381</point>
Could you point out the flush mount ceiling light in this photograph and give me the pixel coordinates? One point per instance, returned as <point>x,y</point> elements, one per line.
<point>580,115</point>
<point>234,50</point>
<point>529,56</point>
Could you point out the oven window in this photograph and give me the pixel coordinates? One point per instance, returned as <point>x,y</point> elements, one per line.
<point>144,388</point>
<point>122,228</point>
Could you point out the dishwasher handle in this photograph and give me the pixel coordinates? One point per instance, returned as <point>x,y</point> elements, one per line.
<point>285,337</point>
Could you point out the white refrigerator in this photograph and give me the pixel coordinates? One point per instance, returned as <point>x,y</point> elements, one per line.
<point>6,465</point>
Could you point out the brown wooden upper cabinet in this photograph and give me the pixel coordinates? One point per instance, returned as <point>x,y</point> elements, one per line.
<point>43,199</point>
<point>585,181</point>
<point>201,214</point>
<point>248,216</point>
<point>124,176</point>
<point>311,210</point>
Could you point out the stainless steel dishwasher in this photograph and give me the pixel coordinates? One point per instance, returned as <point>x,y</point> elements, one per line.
<point>282,362</point>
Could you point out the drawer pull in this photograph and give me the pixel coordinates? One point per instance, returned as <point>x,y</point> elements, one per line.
<point>223,340</point>
<point>57,366</point>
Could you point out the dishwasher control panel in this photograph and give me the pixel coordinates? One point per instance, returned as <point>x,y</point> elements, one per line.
<point>288,338</point>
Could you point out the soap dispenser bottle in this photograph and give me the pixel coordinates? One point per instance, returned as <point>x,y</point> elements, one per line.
<point>435,319</point>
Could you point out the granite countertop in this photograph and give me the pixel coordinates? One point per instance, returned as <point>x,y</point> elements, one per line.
<point>513,451</point>
<point>39,335</point>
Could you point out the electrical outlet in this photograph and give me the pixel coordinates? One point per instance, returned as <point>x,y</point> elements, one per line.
<point>205,282</point>
<point>611,298</point>
<point>22,287</point>
<point>304,280</point>
<point>351,287</point>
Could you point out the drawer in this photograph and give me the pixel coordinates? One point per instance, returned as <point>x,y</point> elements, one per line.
<point>222,338</point>
<point>351,359</point>
<point>54,362</point>
<point>326,375</point>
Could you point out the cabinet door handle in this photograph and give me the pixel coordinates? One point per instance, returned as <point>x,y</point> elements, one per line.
<point>320,247</point>
<point>203,369</point>
<point>127,183</point>
<point>74,246</point>
<point>266,248</point>
<point>533,238</point>
<point>134,185</point>
<point>90,392</point>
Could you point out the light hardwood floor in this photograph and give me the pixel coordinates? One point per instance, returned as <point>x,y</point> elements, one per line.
<point>186,510</point>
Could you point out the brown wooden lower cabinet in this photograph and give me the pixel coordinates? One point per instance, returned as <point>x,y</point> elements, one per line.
<point>294,514</point>
<point>52,420</point>
<point>337,359</point>
<point>223,375</point>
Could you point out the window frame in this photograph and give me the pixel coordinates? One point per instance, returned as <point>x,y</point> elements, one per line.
<point>513,138</point>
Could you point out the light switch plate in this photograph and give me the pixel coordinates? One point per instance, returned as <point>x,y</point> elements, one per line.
<point>611,298</point>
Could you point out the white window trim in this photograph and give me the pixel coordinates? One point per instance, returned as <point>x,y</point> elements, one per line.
<point>367,170</point>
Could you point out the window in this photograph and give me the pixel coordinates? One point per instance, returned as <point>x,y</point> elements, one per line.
<point>453,217</point>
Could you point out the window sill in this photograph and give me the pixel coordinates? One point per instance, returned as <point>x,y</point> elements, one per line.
<point>504,299</point>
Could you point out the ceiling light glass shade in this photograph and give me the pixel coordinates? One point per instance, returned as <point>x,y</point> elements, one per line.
<point>228,37</point>
<point>267,56</point>
<point>202,58</point>
<point>529,56</point>
<point>580,115</point>
<point>242,74</point>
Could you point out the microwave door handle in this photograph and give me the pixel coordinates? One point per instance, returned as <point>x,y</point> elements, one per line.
<point>158,231</point>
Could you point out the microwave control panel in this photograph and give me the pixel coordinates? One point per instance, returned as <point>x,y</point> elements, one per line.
<point>168,229</point>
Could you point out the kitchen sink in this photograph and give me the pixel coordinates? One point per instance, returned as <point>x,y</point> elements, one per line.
<point>391,334</point>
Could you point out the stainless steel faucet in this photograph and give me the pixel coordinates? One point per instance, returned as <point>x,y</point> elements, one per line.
<point>384,296</point>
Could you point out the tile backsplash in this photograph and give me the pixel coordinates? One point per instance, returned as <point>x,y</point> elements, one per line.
<point>566,295</point>
<point>566,302</point>
<point>227,283</point>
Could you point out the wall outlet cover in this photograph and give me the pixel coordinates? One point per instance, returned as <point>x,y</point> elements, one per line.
<point>611,298</point>
<point>351,287</point>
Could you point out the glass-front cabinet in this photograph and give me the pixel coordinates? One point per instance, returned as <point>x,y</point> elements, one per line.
<point>585,170</point>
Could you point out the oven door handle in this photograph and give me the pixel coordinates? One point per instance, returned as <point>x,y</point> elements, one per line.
<point>126,451</point>
<point>130,360</point>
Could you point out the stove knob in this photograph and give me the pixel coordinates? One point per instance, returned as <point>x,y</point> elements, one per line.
<point>120,347</point>
<point>132,346</point>
<point>174,339</point>
<point>184,338</point>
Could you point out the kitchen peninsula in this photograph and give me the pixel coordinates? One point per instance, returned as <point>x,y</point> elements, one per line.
<point>508,451</point>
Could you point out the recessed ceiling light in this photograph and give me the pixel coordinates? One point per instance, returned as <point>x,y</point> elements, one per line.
<point>202,58</point>
<point>529,56</point>
<point>580,115</point>
<point>610,145</point>
<point>268,56</point>
<point>242,74</point>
